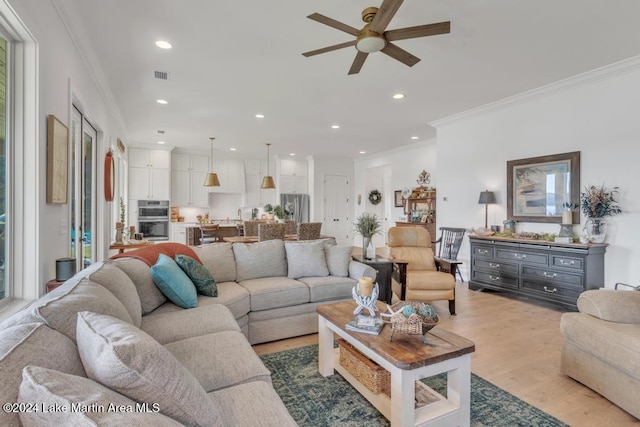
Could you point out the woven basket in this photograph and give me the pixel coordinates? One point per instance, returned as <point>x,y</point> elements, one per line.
<point>412,325</point>
<point>369,373</point>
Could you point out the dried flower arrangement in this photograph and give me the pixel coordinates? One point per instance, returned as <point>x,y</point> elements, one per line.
<point>598,202</point>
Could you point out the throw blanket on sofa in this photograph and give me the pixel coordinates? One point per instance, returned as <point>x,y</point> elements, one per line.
<point>150,254</point>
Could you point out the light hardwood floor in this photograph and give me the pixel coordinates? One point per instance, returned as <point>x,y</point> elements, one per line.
<point>518,346</point>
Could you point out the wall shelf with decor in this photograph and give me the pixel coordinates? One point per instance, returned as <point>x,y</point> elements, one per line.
<point>421,211</point>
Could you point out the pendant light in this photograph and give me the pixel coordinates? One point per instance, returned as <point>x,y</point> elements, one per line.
<point>267,181</point>
<point>211,180</point>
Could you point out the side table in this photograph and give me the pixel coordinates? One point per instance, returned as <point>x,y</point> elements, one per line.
<point>384,268</point>
<point>52,284</point>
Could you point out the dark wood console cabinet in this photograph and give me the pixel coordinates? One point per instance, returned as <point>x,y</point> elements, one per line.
<point>551,272</point>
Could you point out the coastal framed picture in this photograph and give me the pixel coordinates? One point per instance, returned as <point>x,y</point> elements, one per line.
<point>537,187</point>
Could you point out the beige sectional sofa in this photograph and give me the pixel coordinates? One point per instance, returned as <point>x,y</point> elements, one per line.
<point>602,345</point>
<point>108,348</point>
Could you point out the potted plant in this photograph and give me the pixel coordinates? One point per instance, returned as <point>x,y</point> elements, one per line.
<point>367,225</point>
<point>289,209</point>
<point>596,203</point>
<point>279,212</point>
<point>268,208</point>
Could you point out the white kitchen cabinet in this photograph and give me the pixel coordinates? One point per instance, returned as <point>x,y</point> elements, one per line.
<point>256,196</point>
<point>293,176</point>
<point>187,178</point>
<point>178,232</point>
<point>231,174</point>
<point>149,174</point>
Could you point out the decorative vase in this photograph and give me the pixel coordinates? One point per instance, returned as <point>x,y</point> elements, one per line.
<point>371,251</point>
<point>365,244</point>
<point>596,230</point>
<point>119,236</point>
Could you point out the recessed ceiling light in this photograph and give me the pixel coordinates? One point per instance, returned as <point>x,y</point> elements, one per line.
<point>398,96</point>
<point>163,44</point>
<point>414,137</point>
<point>232,149</point>
<point>292,154</point>
<point>335,126</point>
<point>260,116</point>
<point>362,152</point>
<point>162,101</point>
<point>160,142</point>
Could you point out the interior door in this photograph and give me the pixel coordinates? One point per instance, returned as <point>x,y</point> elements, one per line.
<point>83,156</point>
<point>336,208</point>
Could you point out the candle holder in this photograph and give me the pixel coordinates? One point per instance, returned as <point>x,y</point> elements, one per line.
<point>366,302</point>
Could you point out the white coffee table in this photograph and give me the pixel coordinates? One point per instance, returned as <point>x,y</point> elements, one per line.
<point>408,360</point>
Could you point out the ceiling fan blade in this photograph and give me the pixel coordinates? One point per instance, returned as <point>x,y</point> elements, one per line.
<point>358,63</point>
<point>418,31</point>
<point>385,14</point>
<point>334,24</point>
<point>400,54</point>
<point>329,48</point>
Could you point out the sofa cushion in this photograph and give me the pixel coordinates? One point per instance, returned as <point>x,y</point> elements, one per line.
<point>167,326</point>
<point>274,292</point>
<point>95,404</point>
<point>220,360</point>
<point>32,344</point>
<point>252,404</point>
<point>120,285</point>
<point>127,360</point>
<point>328,288</point>
<point>231,295</point>
<point>219,260</point>
<point>58,308</point>
<point>174,282</point>
<point>201,277</point>
<point>263,259</point>
<point>338,258</point>
<point>140,274</point>
<point>611,305</point>
<point>306,259</point>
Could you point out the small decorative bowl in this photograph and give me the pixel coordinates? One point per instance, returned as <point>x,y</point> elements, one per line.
<point>412,325</point>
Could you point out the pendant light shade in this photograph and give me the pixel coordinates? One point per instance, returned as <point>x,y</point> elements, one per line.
<point>267,181</point>
<point>211,180</point>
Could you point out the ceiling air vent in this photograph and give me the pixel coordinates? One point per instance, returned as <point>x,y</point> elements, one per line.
<point>161,132</point>
<point>161,75</point>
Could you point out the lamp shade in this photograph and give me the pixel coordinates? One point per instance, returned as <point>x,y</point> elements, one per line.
<point>487,197</point>
<point>267,182</point>
<point>211,180</point>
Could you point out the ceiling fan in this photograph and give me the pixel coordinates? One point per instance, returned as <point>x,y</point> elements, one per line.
<point>373,37</point>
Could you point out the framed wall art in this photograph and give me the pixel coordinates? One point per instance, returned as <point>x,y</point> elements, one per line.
<point>397,197</point>
<point>538,187</point>
<point>57,160</point>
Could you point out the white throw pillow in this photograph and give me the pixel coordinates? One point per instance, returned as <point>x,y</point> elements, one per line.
<point>127,360</point>
<point>70,400</point>
<point>306,259</point>
<point>338,259</point>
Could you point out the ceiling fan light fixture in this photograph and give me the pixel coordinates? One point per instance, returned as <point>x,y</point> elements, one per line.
<point>369,43</point>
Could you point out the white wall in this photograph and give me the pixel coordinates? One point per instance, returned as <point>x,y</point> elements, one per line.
<point>62,75</point>
<point>403,164</point>
<point>595,113</point>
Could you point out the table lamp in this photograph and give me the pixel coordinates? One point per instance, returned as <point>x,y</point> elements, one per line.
<point>486,197</point>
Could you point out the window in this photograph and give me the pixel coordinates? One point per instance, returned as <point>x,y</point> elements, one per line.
<point>19,140</point>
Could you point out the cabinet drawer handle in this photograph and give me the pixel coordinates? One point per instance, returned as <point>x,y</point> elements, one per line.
<point>563,262</point>
<point>545,274</point>
<point>518,256</point>
<point>483,251</point>
<point>491,264</point>
<point>494,278</point>
<point>551,291</point>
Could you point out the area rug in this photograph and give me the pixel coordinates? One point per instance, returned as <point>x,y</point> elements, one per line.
<point>314,400</point>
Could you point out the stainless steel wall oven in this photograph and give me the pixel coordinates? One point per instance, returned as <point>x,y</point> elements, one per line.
<point>153,219</point>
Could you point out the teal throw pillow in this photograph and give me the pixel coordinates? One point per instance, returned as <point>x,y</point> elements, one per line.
<point>174,283</point>
<point>199,275</point>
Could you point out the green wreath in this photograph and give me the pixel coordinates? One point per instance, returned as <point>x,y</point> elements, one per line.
<point>375,197</point>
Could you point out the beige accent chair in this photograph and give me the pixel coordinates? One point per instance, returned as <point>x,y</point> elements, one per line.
<point>602,345</point>
<point>309,230</point>
<point>423,281</point>
<point>270,231</point>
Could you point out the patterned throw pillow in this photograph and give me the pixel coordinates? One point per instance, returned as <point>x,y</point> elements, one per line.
<point>199,275</point>
<point>174,283</point>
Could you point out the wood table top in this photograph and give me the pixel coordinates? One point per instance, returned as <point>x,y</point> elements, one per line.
<point>406,351</point>
<point>125,246</point>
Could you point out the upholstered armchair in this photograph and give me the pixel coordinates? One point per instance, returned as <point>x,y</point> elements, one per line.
<point>421,281</point>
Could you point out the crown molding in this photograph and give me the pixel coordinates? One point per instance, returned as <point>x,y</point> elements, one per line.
<point>69,18</point>
<point>603,73</point>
